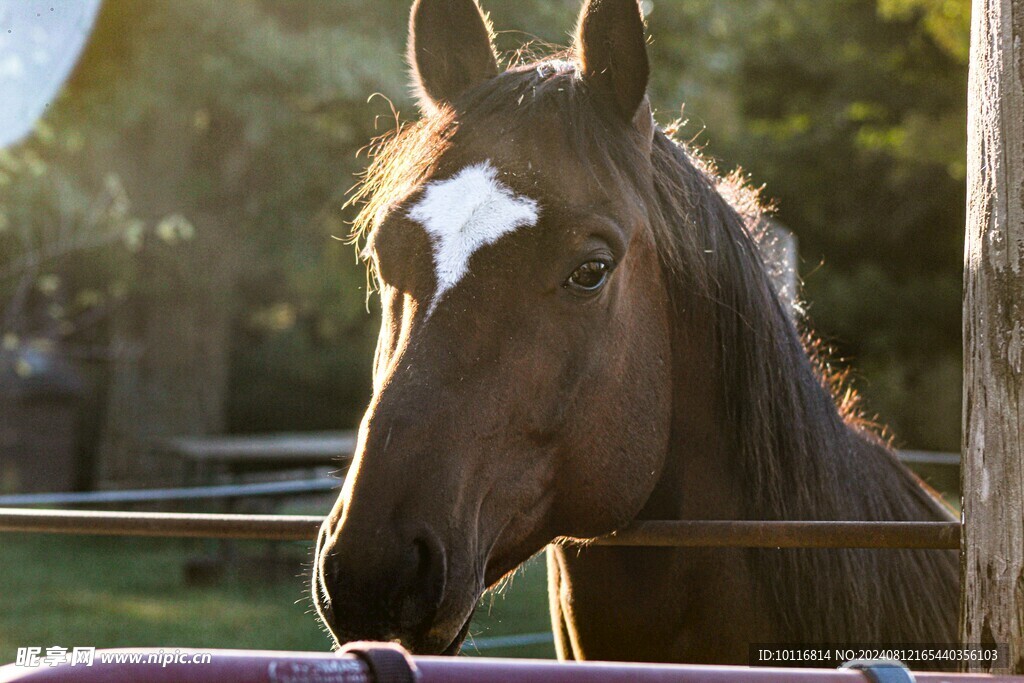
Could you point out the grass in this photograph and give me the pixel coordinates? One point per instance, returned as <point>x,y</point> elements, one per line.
<point>126,592</point>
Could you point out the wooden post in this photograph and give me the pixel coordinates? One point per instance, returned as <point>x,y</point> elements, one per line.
<point>992,473</point>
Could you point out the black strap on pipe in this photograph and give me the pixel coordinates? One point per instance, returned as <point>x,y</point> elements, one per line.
<point>388,662</point>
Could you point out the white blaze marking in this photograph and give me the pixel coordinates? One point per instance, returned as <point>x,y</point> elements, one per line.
<point>465,212</point>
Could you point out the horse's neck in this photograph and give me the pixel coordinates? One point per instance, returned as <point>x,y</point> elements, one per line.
<point>698,480</point>
<point>704,601</point>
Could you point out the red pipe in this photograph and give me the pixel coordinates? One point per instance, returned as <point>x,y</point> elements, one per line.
<point>228,666</point>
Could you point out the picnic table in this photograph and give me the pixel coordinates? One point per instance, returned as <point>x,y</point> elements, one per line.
<point>226,459</point>
<point>207,459</point>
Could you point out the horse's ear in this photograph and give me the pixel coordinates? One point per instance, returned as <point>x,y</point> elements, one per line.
<point>612,53</point>
<point>450,49</point>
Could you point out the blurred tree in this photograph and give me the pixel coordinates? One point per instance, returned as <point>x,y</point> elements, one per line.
<point>852,113</point>
<point>66,259</point>
<point>865,153</point>
<point>212,112</point>
<point>49,225</point>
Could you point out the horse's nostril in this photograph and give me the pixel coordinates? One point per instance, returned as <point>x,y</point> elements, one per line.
<point>430,565</point>
<point>420,593</point>
<point>421,557</point>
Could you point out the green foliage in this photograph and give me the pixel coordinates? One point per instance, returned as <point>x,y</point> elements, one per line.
<point>852,114</point>
<point>264,124</point>
<point>65,248</point>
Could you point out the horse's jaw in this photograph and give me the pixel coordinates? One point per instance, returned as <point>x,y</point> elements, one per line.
<point>456,645</point>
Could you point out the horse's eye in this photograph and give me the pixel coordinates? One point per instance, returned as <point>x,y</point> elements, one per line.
<point>589,277</point>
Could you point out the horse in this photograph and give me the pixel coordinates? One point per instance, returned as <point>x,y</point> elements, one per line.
<point>579,331</point>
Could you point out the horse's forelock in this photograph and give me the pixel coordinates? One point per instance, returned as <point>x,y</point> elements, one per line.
<point>531,96</point>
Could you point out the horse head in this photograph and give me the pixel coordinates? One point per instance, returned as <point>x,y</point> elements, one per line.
<point>521,378</point>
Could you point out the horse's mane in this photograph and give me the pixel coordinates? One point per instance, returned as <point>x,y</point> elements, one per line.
<point>802,448</point>
<point>799,447</point>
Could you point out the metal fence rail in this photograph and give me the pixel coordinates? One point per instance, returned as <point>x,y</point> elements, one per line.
<point>750,534</point>
<point>816,534</point>
<point>221,492</point>
<point>166,524</point>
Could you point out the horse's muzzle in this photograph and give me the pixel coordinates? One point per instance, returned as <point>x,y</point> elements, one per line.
<point>384,587</point>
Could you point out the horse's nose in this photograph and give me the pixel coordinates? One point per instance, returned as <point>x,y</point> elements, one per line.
<point>389,592</point>
<point>425,570</point>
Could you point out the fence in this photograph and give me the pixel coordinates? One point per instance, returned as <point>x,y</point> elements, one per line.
<point>226,491</point>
